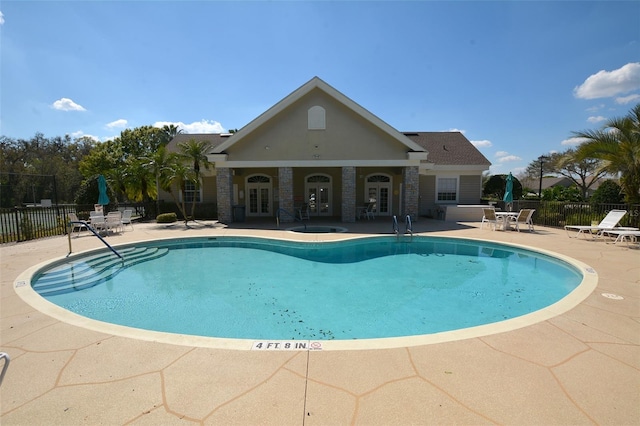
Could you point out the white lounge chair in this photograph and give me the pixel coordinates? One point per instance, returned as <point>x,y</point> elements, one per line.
<point>609,223</point>
<point>76,224</point>
<point>489,216</point>
<point>126,219</point>
<point>524,218</point>
<point>630,236</point>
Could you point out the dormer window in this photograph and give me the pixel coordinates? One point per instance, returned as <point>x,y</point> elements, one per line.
<point>316,118</point>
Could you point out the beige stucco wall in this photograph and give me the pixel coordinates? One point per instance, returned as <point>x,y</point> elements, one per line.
<point>347,136</point>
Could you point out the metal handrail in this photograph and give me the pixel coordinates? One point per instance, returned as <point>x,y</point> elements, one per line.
<point>394,222</point>
<point>90,228</point>
<point>295,218</point>
<point>408,225</point>
<point>5,366</point>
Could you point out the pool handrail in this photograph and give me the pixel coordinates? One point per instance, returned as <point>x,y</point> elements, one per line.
<point>408,225</point>
<point>5,366</point>
<point>295,218</point>
<point>394,223</point>
<point>90,228</point>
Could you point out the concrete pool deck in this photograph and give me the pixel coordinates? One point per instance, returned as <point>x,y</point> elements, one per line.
<point>580,367</point>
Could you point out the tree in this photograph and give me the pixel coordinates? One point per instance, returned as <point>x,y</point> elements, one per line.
<point>609,192</point>
<point>584,172</point>
<point>495,187</point>
<point>617,144</point>
<point>176,174</point>
<point>196,152</point>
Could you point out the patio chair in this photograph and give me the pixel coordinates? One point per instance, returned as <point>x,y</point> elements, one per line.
<point>76,225</point>
<point>126,219</point>
<point>368,211</point>
<point>303,212</point>
<point>114,221</point>
<point>524,218</point>
<point>489,216</point>
<point>610,222</point>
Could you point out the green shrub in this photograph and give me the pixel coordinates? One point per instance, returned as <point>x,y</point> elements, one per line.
<point>166,218</point>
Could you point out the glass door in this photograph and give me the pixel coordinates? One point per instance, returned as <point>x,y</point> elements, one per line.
<point>318,190</point>
<point>259,196</point>
<point>378,191</point>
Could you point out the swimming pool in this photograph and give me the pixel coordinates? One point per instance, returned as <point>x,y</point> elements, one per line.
<point>359,289</point>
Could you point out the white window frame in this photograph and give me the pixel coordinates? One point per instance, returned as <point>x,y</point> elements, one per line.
<point>316,118</point>
<point>198,193</point>
<point>440,181</point>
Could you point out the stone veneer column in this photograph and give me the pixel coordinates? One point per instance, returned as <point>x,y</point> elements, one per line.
<point>348,194</point>
<point>285,192</point>
<point>411,189</point>
<point>224,186</point>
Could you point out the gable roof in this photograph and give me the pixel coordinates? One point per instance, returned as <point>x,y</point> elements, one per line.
<point>317,83</point>
<point>448,148</point>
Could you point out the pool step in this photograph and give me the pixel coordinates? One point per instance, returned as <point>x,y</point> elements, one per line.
<point>92,270</point>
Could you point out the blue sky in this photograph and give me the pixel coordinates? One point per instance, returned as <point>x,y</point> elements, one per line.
<point>515,77</point>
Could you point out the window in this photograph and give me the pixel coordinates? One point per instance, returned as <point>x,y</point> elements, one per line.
<point>190,191</point>
<point>316,118</point>
<point>447,189</point>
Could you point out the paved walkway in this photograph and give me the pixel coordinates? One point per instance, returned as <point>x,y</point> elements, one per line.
<point>581,367</point>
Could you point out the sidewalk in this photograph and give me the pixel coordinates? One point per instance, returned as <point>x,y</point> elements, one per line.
<point>581,367</point>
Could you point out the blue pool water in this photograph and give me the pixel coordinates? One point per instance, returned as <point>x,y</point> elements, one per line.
<point>255,288</point>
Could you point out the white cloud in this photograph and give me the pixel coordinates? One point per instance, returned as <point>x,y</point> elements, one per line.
<point>573,141</point>
<point>1,18</point>
<point>81,134</point>
<point>66,104</point>
<point>627,99</point>
<point>596,119</point>
<point>202,126</point>
<point>605,84</point>
<point>457,130</point>
<point>482,144</point>
<point>509,158</point>
<point>120,124</point>
<point>501,153</point>
<point>595,108</point>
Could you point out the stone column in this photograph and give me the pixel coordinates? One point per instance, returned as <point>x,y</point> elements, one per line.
<point>411,191</point>
<point>285,192</point>
<point>348,194</point>
<point>224,186</point>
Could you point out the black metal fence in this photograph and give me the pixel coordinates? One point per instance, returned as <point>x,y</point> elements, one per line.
<point>557,214</point>
<point>28,223</point>
<point>33,222</point>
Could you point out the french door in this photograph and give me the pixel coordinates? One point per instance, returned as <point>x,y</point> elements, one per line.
<point>378,191</point>
<point>259,191</point>
<point>318,195</point>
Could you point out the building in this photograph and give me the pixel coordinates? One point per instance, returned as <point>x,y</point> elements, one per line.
<point>320,151</point>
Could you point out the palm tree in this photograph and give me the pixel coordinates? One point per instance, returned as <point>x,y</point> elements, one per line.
<point>168,132</point>
<point>195,152</point>
<point>617,143</point>
<point>155,164</point>
<point>176,173</point>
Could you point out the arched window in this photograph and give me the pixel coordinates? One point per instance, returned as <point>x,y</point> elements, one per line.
<point>316,118</point>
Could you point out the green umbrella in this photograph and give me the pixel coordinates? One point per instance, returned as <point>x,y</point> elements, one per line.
<point>508,193</point>
<point>103,198</point>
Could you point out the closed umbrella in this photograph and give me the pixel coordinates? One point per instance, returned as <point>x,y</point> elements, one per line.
<point>508,192</point>
<point>103,198</point>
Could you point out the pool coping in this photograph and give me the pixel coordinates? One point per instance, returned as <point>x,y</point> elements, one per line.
<point>574,298</point>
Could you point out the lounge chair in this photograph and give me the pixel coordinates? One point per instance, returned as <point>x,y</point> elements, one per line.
<point>630,236</point>
<point>524,218</point>
<point>126,219</point>
<point>367,211</point>
<point>609,223</point>
<point>489,216</point>
<point>76,224</point>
